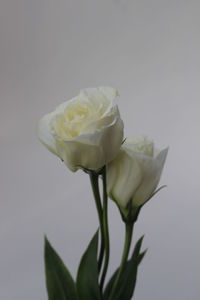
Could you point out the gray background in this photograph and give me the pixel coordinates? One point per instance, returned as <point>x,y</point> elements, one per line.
<point>149,50</point>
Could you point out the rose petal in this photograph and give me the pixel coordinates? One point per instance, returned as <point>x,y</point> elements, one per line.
<point>78,155</point>
<point>44,135</point>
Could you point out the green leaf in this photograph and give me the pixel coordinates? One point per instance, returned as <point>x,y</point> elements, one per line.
<point>59,283</point>
<point>87,277</point>
<point>138,246</point>
<point>129,275</point>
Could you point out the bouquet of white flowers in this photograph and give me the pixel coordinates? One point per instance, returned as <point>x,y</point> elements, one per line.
<point>87,133</point>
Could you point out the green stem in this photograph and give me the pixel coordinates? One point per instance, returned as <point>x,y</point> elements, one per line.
<point>95,189</point>
<point>106,231</point>
<point>127,244</point>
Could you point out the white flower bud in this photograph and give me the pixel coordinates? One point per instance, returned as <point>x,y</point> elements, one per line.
<point>134,174</point>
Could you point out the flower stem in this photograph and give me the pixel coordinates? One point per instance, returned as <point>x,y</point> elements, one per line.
<point>106,231</point>
<point>127,244</point>
<point>95,188</point>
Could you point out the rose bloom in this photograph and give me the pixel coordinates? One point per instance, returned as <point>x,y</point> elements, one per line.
<point>134,174</point>
<point>85,132</point>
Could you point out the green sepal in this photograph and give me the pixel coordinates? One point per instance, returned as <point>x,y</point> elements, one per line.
<point>87,277</point>
<point>59,283</point>
<point>129,275</point>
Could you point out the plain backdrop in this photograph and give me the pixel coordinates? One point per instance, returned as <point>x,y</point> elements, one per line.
<point>150,51</point>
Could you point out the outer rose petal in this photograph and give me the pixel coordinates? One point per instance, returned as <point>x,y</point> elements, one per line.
<point>92,151</point>
<point>78,155</point>
<point>44,135</point>
<point>112,139</point>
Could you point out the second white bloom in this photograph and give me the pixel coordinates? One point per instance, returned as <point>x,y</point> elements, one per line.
<point>134,174</point>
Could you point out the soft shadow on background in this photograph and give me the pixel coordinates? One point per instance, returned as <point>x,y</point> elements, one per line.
<point>149,50</point>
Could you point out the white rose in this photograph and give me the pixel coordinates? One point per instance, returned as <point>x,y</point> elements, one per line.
<point>134,174</point>
<point>85,132</point>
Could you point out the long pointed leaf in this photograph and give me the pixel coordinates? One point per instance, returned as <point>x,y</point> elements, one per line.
<point>87,277</point>
<point>129,275</point>
<point>59,283</point>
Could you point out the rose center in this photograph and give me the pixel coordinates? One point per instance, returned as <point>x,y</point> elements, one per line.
<point>77,116</point>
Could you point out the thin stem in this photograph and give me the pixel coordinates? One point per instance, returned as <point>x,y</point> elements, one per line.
<point>95,189</point>
<point>106,231</point>
<point>127,244</point>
